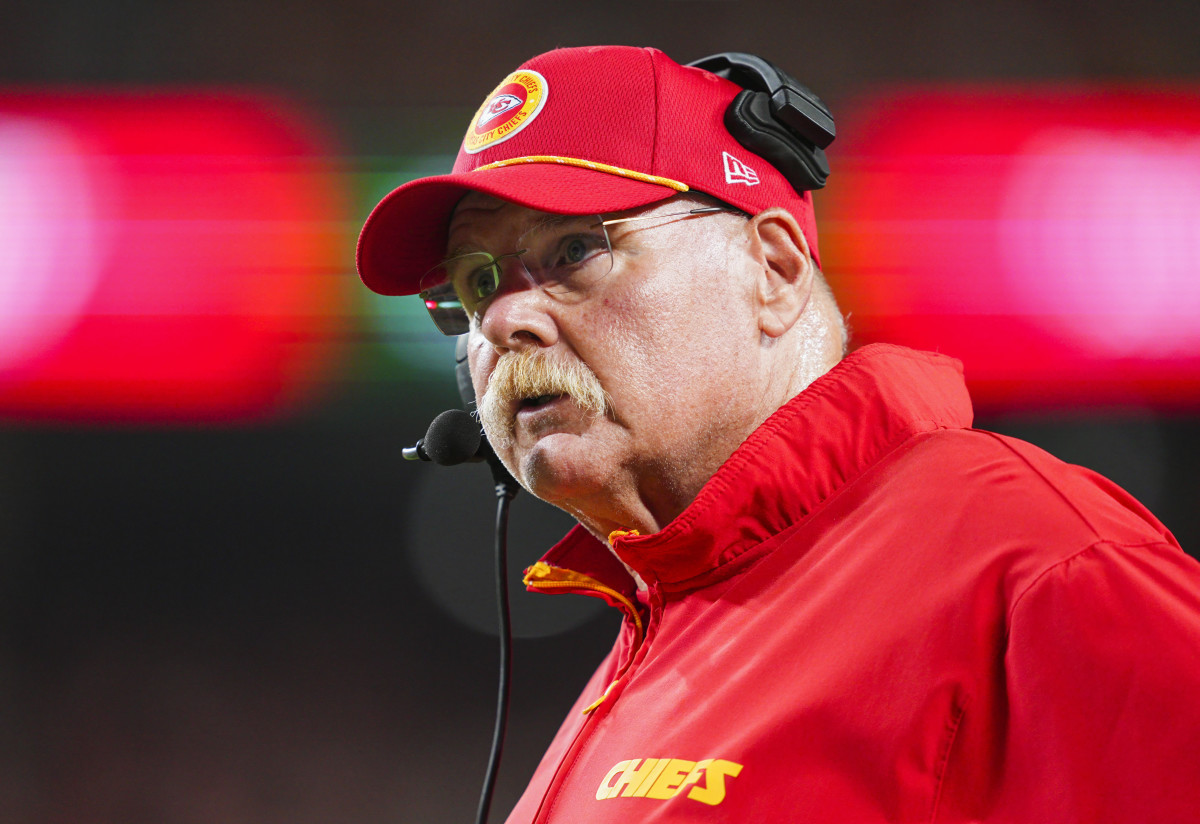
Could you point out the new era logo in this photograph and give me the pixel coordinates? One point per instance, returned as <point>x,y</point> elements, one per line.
<point>738,172</point>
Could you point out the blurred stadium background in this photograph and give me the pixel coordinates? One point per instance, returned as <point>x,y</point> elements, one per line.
<point>222,596</point>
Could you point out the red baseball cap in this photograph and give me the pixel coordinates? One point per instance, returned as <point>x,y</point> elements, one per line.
<point>583,131</point>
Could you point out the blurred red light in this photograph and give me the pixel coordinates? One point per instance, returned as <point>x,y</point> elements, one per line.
<point>176,256</point>
<point>1048,238</point>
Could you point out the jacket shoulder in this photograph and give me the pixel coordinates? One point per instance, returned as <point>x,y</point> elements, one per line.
<point>1016,486</point>
<point>972,504</point>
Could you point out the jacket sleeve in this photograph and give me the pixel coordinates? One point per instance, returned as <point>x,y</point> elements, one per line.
<point>1103,685</point>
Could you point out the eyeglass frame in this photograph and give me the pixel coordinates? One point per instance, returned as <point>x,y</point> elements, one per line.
<point>463,324</point>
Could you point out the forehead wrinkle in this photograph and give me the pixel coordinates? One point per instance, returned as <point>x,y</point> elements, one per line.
<point>533,220</point>
<point>554,221</point>
<point>480,213</point>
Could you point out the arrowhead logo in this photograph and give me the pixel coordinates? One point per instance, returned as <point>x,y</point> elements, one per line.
<point>499,104</point>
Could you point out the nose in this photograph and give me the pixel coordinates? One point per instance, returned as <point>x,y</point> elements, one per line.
<point>520,314</point>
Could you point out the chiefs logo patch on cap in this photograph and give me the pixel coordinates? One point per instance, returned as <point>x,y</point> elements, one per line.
<point>511,107</point>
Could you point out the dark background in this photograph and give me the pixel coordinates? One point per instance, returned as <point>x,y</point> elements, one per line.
<point>248,622</point>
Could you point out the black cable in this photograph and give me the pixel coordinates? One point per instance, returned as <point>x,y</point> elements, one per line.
<point>504,494</point>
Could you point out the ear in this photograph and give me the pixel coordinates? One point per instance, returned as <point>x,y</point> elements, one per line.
<point>784,268</point>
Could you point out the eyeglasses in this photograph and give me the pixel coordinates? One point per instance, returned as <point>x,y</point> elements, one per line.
<point>563,254</point>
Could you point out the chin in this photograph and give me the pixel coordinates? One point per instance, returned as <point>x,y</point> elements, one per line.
<point>559,467</point>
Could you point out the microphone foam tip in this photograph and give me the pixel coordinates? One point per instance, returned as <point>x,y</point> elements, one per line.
<point>453,437</point>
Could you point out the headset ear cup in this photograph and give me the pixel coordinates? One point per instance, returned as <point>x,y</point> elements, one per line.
<point>748,118</point>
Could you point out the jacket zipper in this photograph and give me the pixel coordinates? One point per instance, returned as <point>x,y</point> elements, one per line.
<point>545,577</point>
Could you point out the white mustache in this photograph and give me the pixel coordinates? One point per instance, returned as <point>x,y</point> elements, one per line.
<point>532,373</point>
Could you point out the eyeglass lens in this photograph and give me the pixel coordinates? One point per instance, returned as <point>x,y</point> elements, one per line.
<point>562,254</point>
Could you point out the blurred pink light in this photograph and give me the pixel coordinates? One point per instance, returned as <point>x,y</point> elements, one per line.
<point>1048,237</point>
<point>1101,234</point>
<point>51,235</point>
<point>166,256</point>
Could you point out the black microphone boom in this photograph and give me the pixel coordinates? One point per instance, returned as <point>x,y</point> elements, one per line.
<point>455,437</point>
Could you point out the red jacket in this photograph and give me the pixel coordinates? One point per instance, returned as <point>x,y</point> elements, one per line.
<point>874,613</point>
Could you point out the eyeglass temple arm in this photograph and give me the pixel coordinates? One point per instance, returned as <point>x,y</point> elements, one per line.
<point>703,210</point>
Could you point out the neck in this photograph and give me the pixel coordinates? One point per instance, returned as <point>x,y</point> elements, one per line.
<point>654,493</point>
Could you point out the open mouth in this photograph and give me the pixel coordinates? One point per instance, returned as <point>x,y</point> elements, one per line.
<point>540,400</point>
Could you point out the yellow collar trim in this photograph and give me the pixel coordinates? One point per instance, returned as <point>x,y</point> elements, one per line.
<point>587,164</point>
<point>543,576</point>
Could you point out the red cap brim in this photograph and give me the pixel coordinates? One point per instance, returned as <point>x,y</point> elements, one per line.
<point>405,235</point>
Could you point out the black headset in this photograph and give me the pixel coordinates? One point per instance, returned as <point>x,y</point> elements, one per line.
<point>776,117</point>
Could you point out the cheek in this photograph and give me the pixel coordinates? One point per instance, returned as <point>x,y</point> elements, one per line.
<point>645,348</point>
<point>480,366</point>
<point>637,333</point>
<point>693,314</point>
<point>694,357</point>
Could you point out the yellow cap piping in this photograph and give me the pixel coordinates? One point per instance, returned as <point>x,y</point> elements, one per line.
<point>588,164</point>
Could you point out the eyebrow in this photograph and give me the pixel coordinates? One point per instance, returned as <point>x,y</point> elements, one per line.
<point>460,250</point>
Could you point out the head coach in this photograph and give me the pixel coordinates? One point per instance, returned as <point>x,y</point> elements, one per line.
<point>841,601</point>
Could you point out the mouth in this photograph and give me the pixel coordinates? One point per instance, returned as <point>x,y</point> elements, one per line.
<point>539,401</point>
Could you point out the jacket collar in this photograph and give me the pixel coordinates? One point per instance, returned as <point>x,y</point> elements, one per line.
<point>809,448</point>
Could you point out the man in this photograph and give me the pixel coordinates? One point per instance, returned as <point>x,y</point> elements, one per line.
<point>842,603</point>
